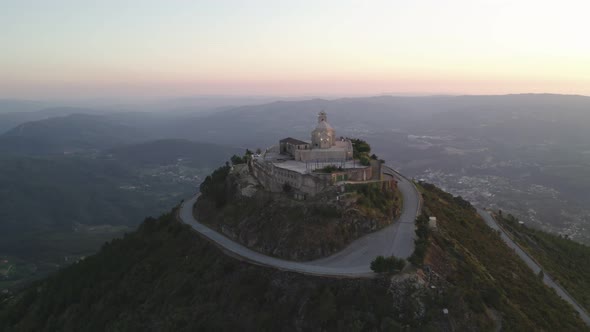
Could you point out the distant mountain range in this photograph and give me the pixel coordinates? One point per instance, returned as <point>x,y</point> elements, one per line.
<point>68,134</point>
<point>533,149</point>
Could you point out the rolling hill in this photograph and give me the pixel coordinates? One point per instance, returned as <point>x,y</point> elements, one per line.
<point>68,134</point>
<point>56,206</point>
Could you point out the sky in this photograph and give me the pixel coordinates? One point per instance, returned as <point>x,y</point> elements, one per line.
<point>84,48</point>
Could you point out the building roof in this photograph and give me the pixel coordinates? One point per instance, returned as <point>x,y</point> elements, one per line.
<point>292,140</point>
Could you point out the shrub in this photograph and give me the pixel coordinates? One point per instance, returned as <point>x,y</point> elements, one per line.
<point>361,150</point>
<point>421,242</point>
<point>214,185</point>
<point>329,169</point>
<point>390,264</point>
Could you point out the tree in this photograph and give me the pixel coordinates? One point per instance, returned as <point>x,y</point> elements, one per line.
<point>214,185</point>
<point>421,242</point>
<point>390,264</point>
<point>235,160</point>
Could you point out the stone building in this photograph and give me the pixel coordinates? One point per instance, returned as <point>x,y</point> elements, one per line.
<point>324,146</point>
<point>290,145</point>
<point>300,165</point>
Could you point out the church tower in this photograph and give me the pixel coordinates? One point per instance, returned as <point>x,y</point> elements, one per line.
<point>323,136</point>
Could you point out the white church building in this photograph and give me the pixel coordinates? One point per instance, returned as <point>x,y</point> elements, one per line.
<point>324,145</point>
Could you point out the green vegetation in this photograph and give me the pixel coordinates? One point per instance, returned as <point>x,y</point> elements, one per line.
<point>198,288</point>
<point>329,169</point>
<point>390,264</point>
<point>326,211</point>
<point>236,160</point>
<point>59,207</point>
<point>375,196</point>
<point>361,151</point>
<point>480,269</point>
<point>33,256</point>
<point>567,261</point>
<point>422,240</point>
<point>214,185</point>
<point>277,225</point>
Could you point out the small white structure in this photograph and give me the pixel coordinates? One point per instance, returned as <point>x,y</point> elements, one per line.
<point>432,223</point>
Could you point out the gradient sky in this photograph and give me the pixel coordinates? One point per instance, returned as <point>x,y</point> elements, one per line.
<point>107,48</point>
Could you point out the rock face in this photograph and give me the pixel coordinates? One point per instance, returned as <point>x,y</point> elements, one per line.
<point>278,225</point>
<point>408,291</point>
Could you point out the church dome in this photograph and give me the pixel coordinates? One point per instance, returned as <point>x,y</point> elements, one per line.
<point>324,125</point>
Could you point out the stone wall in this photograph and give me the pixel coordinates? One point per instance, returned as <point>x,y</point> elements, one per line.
<point>274,178</point>
<point>353,174</point>
<point>338,154</point>
<point>376,170</point>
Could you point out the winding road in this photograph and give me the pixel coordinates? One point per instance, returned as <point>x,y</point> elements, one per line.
<point>353,261</point>
<point>530,262</point>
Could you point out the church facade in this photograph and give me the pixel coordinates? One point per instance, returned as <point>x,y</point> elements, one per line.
<point>300,165</point>
<point>324,146</point>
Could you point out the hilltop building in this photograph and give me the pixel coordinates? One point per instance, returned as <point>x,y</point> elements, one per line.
<point>324,146</point>
<point>307,168</point>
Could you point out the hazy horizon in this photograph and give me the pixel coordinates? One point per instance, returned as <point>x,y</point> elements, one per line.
<point>67,49</point>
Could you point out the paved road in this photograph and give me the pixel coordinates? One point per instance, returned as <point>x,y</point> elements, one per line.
<point>534,266</point>
<point>354,261</point>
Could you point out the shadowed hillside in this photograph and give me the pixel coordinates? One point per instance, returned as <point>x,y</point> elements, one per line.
<point>54,209</point>
<point>166,278</point>
<point>68,134</point>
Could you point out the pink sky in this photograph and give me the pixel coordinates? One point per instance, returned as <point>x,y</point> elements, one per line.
<point>73,49</point>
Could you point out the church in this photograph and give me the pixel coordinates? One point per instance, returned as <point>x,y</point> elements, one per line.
<point>307,168</point>
<point>324,146</point>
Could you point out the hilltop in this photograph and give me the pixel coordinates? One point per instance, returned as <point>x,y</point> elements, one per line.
<point>165,277</point>
<point>274,223</point>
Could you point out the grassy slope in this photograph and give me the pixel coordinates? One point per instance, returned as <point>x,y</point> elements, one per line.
<point>567,261</point>
<point>487,274</point>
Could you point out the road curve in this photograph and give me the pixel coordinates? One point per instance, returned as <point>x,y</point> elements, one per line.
<point>533,265</point>
<point>353,261</point>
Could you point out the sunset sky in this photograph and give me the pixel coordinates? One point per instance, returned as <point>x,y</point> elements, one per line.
<point>60,49</point>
